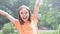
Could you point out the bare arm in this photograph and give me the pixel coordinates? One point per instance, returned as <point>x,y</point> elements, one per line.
<point>9,17</point>
<point>36,8</point>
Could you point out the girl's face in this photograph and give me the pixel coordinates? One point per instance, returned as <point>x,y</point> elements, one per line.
<point>24,13</point>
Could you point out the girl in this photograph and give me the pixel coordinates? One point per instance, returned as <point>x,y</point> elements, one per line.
<point>26,24</point>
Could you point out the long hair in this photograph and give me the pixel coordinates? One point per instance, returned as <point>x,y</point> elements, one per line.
<point>20,19</point>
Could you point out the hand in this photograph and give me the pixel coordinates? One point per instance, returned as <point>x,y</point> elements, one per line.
<point>2,12</point>
<point>37,1</point>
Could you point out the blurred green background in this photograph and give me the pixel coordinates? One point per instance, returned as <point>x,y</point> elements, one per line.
<point>48,15</point>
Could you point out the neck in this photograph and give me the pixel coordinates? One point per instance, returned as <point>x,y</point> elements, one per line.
<point>26,22</point>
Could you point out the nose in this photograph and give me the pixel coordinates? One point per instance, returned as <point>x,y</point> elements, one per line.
<point>24,14</point>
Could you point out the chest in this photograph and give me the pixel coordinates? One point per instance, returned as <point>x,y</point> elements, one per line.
<point>28,26</point>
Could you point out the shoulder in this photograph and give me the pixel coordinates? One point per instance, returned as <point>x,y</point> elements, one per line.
<point>33,18</point>
<point>17,24</point>
<point>16,21</point>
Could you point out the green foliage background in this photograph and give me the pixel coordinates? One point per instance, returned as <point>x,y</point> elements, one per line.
<point>48,15</point>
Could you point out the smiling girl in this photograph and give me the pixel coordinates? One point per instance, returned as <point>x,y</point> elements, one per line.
<point>27,23</point>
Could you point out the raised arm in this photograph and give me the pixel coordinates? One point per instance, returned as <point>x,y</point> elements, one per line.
<point>36,8</point>
<point>9,17</point>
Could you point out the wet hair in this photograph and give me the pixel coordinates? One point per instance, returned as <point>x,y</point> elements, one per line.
<point>20,19</point>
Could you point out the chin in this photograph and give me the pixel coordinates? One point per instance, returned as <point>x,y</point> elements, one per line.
<point>25,20</point>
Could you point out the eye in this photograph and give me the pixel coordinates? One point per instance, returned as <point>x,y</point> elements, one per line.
<point>26,12</point>
<point>21,12</point>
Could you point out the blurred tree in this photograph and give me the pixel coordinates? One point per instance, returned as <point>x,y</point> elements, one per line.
<point>50,14</point>
<point>3,19</point>
<point>11,6</point>
<point>49,10</point>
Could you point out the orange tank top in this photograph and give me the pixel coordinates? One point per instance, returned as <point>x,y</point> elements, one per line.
<point>27,28</point>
